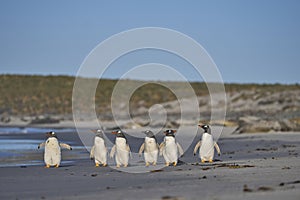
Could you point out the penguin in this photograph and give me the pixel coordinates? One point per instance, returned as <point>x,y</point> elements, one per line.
<point>121,149</point>
<point>150,148</point>
<point>170,149</point>
<point>206,145</point>
<point>52,154</point>
<point>99,150</point>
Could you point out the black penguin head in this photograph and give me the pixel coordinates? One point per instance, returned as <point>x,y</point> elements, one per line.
<point>98,132</point>
<point>149,134</point>
<point>206,128</point>
<point>51,134</point>
<point>118,133</point>
<point>170,133</point>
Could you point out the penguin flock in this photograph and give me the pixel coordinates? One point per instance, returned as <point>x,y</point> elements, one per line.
<point>170,149</point>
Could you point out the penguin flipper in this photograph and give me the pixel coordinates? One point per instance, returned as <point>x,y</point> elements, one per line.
<point>162,145</point>
<point>161,148</point>
<point>217,148</point>
<point>197,147</point>
<point>128,149</point>
<point>107,153</point>
<point>92,152</point>
<point>141,149</point>
<point>41,145</point>
<point>112,151</point>
<point>64,145</point>
<point>181,152</point>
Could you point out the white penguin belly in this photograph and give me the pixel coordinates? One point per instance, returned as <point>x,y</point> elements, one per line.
<point>206,151</point>
<point>52,154</point>
<point>100,152</point>
<point>122,154</point>
<point>170,151</point>
<point>151,150</point>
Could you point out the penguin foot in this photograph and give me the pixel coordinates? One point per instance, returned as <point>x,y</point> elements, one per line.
<point>203,161</point>
<point>97,165</point>
<point>56,166</point>
<point>210,161</point>
<point>167,164</point>
<point>104,165</point>
<point>154,163</point>
<point>147,164</point>
<point>174,164</point>
<point>47,166</point>
<point>118,166</point>
<point>125,165</point>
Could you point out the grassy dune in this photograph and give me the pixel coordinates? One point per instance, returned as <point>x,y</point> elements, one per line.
<point>36,95</point>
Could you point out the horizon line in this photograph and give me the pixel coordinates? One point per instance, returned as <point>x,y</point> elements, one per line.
<point>152,80</point>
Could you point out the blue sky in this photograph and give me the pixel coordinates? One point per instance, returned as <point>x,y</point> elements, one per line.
<point>250,41</point>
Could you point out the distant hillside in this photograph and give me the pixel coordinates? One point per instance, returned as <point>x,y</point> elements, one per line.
<point>52,95</point>
<point>36,95</point>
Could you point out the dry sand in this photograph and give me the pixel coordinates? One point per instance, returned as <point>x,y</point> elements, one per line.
<point>252,166</point>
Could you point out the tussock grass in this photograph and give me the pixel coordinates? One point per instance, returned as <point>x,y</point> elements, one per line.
<point>36,95</point>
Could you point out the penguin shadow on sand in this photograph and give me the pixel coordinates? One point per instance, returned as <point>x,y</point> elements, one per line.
<point>206,146</point>
<point>52,152</point>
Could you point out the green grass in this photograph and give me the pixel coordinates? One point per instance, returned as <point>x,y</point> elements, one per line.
<point>35,95</point>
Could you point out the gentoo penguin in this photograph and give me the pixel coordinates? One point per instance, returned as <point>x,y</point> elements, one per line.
<point>52,154</point>
<point>206,144</point>
<point>170,149</point>
<point>99,150</point>
<point>150,148</point>
<point>121,149</point>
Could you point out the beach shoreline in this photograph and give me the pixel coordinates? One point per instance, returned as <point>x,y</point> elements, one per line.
<point>251,166</point>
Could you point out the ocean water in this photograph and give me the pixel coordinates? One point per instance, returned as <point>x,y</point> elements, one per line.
<point>18,146</point>
<point>18,130</point>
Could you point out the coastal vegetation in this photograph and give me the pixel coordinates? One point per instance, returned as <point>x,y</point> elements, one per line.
<point>33,95</point>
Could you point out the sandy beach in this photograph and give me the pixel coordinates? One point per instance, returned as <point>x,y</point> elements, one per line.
<point>224,71</point>
<point>252,166</point>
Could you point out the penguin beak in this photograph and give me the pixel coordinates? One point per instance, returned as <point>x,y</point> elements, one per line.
<point>205,127</point>
<point>50,134</point>
<point>170,131</point>
<point>116,132</point>
<point>96,131</point>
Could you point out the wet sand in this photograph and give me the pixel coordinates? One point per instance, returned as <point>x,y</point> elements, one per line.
<point>252,166</point>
